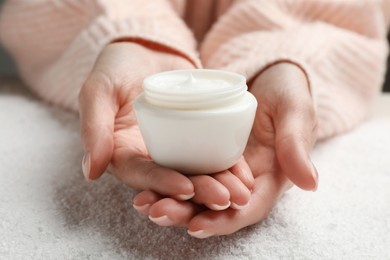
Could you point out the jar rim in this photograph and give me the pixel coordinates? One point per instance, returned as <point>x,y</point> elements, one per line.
<point>194,98</point>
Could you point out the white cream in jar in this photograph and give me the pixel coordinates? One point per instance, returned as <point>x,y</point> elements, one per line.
<point>195,121</point>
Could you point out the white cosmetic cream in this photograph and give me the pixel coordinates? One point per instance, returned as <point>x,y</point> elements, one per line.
<point>195,121</point>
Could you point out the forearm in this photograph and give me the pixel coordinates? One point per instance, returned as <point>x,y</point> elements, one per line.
<point>343,55</point>
<point>55,43</point>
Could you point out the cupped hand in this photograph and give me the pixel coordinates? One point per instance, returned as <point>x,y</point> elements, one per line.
<point>110,133</point>
<point>277,154</point>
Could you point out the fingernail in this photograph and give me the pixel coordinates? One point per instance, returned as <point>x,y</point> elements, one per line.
<point>199,234</point>
<point>218,207</point>
<point>315,176</point>
<point>162,221</point>
<point>142,208</point>
<point>239,207</point>
<point>184,196</point>
<point>86,165</point>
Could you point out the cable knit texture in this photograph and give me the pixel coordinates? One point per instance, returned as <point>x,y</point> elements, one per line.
<point>341,44</point>
<point>56,43</point>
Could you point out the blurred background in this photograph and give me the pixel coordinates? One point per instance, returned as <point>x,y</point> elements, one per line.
<point>8,68</point>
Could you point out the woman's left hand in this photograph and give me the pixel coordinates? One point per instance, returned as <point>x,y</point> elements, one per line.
<point>277,154</point>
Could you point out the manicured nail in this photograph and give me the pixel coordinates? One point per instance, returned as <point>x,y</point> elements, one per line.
<point>199,234</point>
<point>86,165</point>
<point>218,207</point>
<point>142,208</point>
<point>315,176</point>
<point>239,207</point>
<point>184,196</point>
<point>162,221</point>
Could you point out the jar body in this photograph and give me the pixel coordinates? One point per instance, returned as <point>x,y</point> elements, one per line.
<point>195,141</point>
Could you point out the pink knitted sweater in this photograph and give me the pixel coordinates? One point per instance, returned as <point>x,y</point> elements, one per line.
<point>339,43</point>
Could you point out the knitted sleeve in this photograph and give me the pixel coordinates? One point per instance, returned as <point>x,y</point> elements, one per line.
<point>55,43</point>
<point>341,45</point>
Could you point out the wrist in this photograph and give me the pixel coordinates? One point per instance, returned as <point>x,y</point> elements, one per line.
<point>282,77</point>
<point>154,49</point>
<point>282,70</point>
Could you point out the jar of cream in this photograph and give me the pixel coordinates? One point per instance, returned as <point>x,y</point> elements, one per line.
<point>195,121</point>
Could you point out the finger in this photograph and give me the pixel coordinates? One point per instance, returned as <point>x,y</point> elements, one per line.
<point>210,192</point>
<point>144,200</point>
<point>171,212</point>
<point>295,135</point>
<point>142,174</point>
<point>97,116</point>
<point>243,172</point>
<point>267,190</point>
<point>239,193</point>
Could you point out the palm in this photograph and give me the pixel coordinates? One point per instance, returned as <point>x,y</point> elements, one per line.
<point>260,152</point>
<point>126,132</point>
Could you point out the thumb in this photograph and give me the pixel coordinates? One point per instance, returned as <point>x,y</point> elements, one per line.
<point>295,127</point>
<point>97,116</point>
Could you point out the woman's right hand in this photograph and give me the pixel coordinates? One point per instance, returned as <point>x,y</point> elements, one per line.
<point>110,133</point>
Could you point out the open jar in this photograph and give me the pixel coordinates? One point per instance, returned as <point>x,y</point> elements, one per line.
<point>195,121</point>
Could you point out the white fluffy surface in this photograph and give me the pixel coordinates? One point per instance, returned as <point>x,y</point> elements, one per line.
<point>48,211</point>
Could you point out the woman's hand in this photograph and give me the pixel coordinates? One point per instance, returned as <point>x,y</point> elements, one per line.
<point>277,152</point>
<point>109,130</point>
